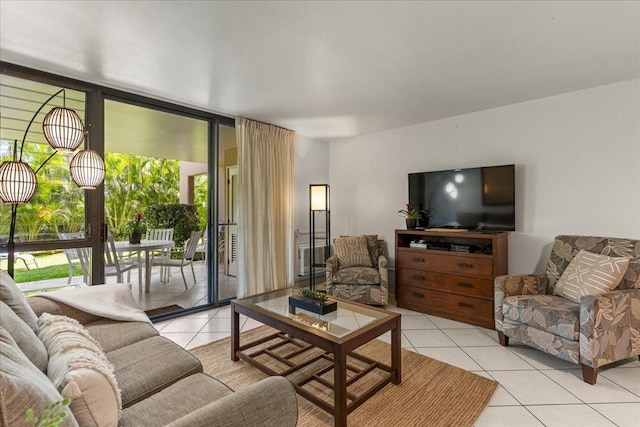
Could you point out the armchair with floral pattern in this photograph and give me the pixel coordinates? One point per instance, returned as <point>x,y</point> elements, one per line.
<point>597,330</point>
<point>359,273</point>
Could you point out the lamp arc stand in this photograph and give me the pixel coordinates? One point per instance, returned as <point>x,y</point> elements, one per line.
<point>14,206</point>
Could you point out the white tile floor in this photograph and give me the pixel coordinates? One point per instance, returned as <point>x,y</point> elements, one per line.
<point>535,389</point>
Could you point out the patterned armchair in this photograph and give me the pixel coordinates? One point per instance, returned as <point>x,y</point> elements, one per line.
<point>597,330</point>
<point>358,270</point>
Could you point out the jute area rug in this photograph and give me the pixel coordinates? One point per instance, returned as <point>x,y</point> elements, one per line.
<point>432,393</point>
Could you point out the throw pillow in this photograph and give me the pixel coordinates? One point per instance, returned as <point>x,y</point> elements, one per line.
<point>591,274</point>
<point>81,371</point>
<point>10,294</point>
<point>24,337</point>
<point>23,386</point>
<point>352,252</point>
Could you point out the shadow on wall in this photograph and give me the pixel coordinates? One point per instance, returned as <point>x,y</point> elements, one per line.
<point>544,259</point>
<point>528,253</point>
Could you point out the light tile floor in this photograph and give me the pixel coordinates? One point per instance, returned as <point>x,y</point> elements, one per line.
<point>535,389</point>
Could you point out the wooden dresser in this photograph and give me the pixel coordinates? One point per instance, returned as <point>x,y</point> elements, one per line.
<point>456,285</point>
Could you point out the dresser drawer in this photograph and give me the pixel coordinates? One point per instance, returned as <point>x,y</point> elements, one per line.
<point>472,286</point>
<point>448,262</point>
<point>457,307</point>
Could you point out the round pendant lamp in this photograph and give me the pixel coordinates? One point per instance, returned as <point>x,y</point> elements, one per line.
<point>18,182</point>
<point>63,129</point>
<point>87,169</point>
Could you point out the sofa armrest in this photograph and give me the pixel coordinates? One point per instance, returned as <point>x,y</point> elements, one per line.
<point>269,402</point>
<point>609,327</point>
<point>511,285</point>
<point>332,267</point>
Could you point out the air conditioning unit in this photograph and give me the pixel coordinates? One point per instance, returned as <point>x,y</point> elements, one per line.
<point>322,253</point>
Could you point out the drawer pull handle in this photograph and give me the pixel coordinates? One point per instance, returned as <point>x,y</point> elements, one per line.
<point>465,265</point>
<point>465,304</point>
<point>417,295</point>
<point>416,259</point>
<point>465,285</point>
<point>416,277</point>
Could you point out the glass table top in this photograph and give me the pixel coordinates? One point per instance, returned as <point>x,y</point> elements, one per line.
<point>346,319</point>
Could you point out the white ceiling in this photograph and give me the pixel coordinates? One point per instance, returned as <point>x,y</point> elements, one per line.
<point>330,69</point>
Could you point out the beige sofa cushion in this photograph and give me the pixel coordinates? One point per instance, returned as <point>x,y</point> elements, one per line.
<point>81,371</point>
<point>115,334</point>
<point>23,386</point>
<point>24,337</point>
<point>163,407</point>
<point>10,294</point>
<point>589,273</point>
<point>146,367</point>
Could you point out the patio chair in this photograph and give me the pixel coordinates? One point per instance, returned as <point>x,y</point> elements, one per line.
<point>202,247</point>
<point>188,253</point>
<point>115,266</point>
<point>81,255</point>
<point>161,234</point>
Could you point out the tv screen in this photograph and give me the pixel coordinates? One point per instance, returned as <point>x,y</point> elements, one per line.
<point>474,199</point>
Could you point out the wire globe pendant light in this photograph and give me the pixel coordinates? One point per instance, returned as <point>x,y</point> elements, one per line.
<point>18,182</point>
<point>63,129</point>
<point>87,169</point>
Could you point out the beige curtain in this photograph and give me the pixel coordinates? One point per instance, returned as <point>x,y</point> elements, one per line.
<point>265,220</point>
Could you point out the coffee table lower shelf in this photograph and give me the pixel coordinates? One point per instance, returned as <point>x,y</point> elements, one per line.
<point>320,356</point>
<point>317,365</point>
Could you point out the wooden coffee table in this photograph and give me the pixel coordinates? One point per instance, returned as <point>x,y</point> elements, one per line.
<point>327,340</point>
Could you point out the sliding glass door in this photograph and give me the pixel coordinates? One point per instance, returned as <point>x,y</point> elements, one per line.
<point>157,172</point>
<point>163,161</point>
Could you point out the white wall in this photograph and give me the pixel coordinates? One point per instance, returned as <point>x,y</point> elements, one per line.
<point>577,160</point>
<point>311,167</point>
<point>187,170</point>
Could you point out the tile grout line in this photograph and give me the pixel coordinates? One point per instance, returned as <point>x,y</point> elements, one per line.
<point>603,415</point>
<point>209,320</point>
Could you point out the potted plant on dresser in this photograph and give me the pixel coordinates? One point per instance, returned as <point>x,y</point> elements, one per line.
<point>412,216</point>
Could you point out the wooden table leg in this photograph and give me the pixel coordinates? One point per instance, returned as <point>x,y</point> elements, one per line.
<point>340,388</point>
<point>396,355</point>
<point>235,332</point>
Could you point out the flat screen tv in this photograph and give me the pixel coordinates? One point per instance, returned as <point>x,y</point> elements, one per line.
<point>475,199</point>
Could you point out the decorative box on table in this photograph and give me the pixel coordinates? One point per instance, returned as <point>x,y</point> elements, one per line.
<point>311,305</point>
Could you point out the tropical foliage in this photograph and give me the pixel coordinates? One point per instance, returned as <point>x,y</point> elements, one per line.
<point>132,184</point>
<point>57,206</point>
<point>182,218</point>
<point>200,190</point>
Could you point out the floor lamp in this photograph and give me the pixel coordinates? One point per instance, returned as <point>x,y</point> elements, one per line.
<point>318,202</point>
<point>64,131</point>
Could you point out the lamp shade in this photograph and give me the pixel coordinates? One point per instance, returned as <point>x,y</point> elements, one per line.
<point>319,197</point>
<point>18,182</point>
<point>63,129</point>
<point>87,169</point>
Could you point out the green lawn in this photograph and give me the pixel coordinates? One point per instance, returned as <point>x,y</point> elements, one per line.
<point>50,266</point>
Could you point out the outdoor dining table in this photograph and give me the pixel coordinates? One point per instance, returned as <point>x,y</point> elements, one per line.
<point>146,246</point>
